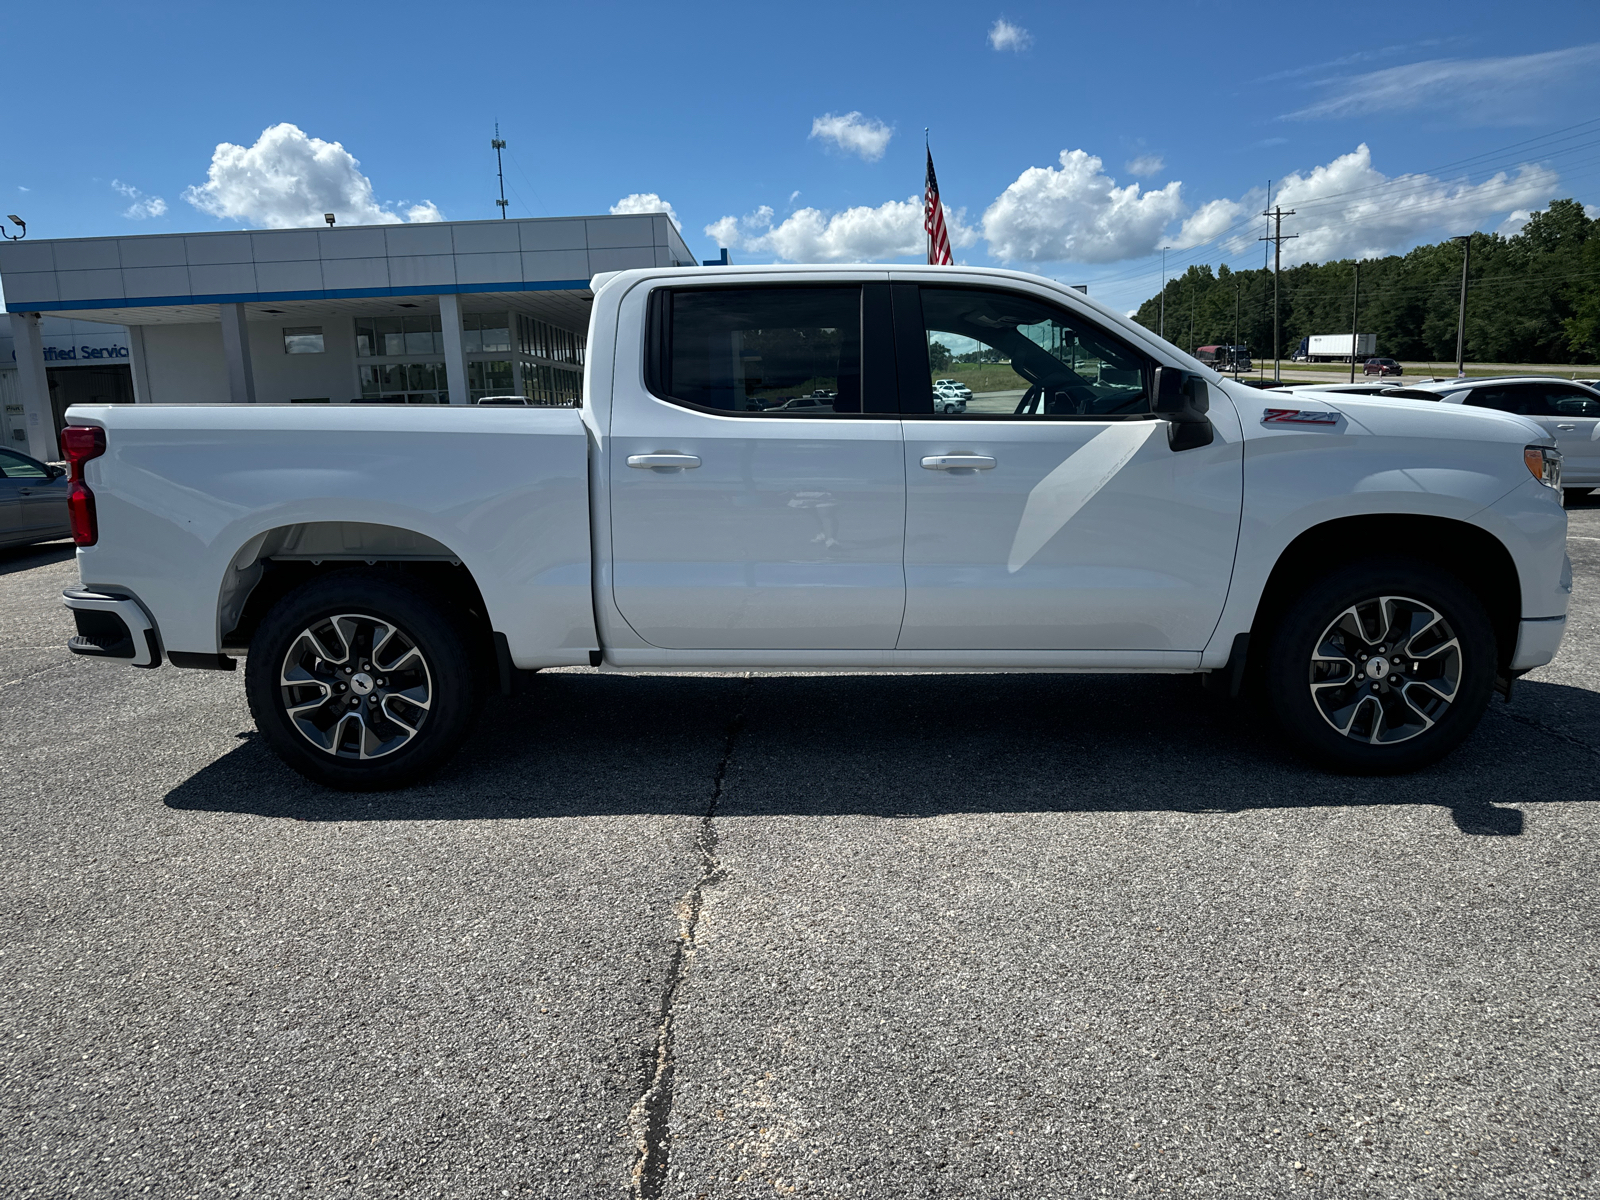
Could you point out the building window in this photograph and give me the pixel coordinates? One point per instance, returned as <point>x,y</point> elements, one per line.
<point>405,383</point>
<point>538,339</point>
<point>485,332</point>
<point>394,337</point>
<point>551,387</point>
<point>303,339</point>
<point>492,378</point>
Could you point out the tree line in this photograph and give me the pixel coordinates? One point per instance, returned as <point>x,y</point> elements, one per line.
<point>1532,297</point>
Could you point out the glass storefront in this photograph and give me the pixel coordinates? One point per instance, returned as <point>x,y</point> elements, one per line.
<point>402,359</point>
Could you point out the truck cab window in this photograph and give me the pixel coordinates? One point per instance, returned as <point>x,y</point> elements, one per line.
<point>779,351</point>
<point>993,353</point>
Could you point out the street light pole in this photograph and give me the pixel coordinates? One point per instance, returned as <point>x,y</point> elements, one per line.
<point>1162,331</point>
<point>1355,319</point>
<point>1461,319</point>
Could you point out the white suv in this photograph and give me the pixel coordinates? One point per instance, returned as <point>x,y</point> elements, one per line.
<point>953,387</point>
<point>1567,410</point>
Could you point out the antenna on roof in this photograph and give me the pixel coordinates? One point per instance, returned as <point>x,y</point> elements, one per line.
<point>499,168</point>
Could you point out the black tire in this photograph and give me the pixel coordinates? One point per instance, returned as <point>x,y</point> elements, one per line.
<point>395,739</point>
<point>1390,726</point>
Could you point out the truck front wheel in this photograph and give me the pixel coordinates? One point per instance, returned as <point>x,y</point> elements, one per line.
<point>1381,667</point>
<point>360,681</point>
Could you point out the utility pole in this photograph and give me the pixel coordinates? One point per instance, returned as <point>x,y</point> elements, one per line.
<point>1355,310</point>
<point>1162,331</point>
<point>1461,320</point>
<point>499,169</point>
<point>1277,240</point>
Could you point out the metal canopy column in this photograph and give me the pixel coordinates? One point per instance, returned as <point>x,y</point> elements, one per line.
<point>236,350</point>
<point>455,350</point>
<point>33,387</point>
<point>140,365</point>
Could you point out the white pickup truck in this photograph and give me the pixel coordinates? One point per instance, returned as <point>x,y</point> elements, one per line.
<point>756,478</point>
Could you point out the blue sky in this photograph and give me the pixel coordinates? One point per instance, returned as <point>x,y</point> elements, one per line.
<point>1073,140</point>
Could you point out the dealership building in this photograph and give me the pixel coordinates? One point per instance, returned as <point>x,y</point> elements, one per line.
<point>440,313</point>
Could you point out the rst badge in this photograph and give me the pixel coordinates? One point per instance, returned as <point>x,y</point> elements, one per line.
<point>1299,416</point>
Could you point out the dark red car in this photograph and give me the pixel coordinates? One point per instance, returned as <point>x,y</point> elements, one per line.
<point>1382,366</point>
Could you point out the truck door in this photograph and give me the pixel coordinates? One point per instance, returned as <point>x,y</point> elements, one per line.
<point>1053,514</point>
<point>757,478</point>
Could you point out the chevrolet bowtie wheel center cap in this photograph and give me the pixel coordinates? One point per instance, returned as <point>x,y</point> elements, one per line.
<point>361,682</point>
<point>1377,668</point>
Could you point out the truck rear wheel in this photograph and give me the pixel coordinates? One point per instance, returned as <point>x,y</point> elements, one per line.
<point>360,681</point>
<point>1381,667</point>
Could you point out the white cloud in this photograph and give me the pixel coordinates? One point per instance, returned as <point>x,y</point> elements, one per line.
<point>288,179</point>
<point>1210,220</point>
<point>143,207</point>
<point>1493,90</point>
<point>1077,214</point>
<point>794,195</point>
<point>20,188</point>
<point>854,134</point>
<point>646,202</point>
<point>1349,209</point>
<point>1003,35</point>
<point>861,234</point>
<point>1146,164</point>
<point>1513,224</point>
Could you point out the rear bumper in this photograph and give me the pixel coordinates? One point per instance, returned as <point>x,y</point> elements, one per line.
<point>113,627</point>
<point>1537,643</point>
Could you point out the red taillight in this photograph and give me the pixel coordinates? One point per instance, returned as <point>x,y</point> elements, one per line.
<point>80,443</point>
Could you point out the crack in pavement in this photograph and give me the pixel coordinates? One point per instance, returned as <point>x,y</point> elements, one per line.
<point>1535,723</point>
<point>651,1115</point>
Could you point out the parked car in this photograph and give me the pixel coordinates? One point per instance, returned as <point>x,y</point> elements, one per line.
<point>953,387</point>
<point>384,571</point>
<point>1567,410</point>
<point>948,402</point>
<point>1359,389</point>
<point>33,500</point>
<point>1382,366</point>
<point>503,401</point>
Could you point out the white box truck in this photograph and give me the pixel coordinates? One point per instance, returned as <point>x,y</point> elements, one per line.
<point>1335,347</point>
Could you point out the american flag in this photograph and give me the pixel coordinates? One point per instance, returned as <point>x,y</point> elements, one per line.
<point>933,221</point>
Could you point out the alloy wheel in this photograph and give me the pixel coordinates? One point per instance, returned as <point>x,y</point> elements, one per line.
<point>356,686</point>
<point>1386,670</point>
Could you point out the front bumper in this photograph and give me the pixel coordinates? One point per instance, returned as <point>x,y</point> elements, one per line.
<point>1537,642</point>
<point>114,627</point>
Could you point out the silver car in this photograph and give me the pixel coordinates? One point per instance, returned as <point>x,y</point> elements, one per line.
<point>33,500</point>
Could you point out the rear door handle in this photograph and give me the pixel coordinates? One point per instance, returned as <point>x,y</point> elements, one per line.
<point>957,462</point>
<point>1566,426</point>
<point>663,462</point>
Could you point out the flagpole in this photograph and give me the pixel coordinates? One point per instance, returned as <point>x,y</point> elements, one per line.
<point>927,234</point>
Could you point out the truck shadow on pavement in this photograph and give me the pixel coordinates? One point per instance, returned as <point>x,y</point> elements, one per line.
<point>587,745</point>
<point>26,558</point>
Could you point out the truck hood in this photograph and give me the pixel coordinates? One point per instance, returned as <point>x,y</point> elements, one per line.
<point>1393,416</point>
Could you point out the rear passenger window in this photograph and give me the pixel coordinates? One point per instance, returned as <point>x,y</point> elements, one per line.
<point>778,351</point>
<point>1523,399</point>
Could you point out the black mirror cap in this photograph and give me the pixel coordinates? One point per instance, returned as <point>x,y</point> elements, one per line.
<point>1180,394</point>
<point>56,472</point>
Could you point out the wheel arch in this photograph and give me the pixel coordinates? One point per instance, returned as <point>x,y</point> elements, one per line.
<point>277,560</point>
<point>1470,553</point>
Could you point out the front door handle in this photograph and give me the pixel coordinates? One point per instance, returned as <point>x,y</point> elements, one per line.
<point>663,462</point>
<point>957,462</point>
<point>1566,426</point>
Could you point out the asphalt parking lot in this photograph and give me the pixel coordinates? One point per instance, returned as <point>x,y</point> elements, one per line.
<point>914,935</point>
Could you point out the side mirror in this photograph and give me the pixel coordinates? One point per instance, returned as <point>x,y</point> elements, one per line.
<point>1184,400</point>
<point>56,472</point>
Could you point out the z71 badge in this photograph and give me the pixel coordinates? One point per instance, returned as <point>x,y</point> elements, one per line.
<point>1298,416</point>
